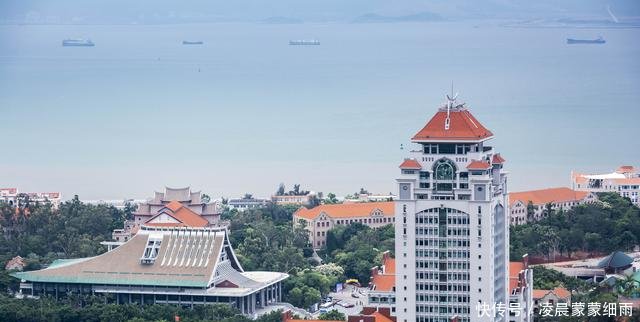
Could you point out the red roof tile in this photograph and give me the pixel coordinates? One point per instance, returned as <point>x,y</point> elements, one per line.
<point>478,165</point>
<point>184,215</point>
<point>498,159</point>
<point>347,210</point>
<point>545,196</point>
<point>410,164</point>
<point>463,126</point>
<point>384,282</point>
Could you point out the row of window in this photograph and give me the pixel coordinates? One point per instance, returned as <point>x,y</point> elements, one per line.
<point>442,255</point>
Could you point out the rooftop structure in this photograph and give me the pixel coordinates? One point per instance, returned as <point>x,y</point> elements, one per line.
<point>170,265</point>
<point>452,227</point>
<point>625,181</point>
<point>615,263</point>
<point>559,198</point>
<point>322,218</point>
<point>173,207</point>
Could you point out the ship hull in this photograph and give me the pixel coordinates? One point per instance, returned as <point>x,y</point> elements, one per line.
<point>585,41</point>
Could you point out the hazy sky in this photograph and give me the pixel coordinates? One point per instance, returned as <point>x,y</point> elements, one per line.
<point>245,111</point>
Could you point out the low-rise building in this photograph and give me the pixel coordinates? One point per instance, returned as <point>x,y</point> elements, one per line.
<point>370,197</point>
<point>162,264</point>
<point>242,204</point>
<point>551,298</point>
<point>382,287</point>
<point>292,199</point>
<point>625,181</point>
<point>320,219</point>
<point>12,196</point>
<point>559,198</point>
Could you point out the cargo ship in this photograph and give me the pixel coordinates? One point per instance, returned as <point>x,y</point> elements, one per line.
<point>187,42</point>
<point>312,42</point>
<point>598,40</point>
<point>77,43</point>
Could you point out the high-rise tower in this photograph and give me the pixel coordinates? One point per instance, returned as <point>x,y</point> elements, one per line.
<point>452,232</point>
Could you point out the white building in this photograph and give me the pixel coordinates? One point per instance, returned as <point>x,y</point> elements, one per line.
<point>242,204</point>
<point>625,181</point>
<point>452,227</point>
<point>12,196</point>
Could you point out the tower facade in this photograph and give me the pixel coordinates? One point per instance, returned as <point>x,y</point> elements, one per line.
<point>452,232</point>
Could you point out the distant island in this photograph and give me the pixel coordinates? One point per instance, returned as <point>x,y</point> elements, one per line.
<point>418,17</point>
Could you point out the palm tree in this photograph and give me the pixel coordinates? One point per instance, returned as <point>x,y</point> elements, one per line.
<point>627,286</point>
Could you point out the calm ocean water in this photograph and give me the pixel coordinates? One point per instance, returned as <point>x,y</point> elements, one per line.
<point>246,111</point>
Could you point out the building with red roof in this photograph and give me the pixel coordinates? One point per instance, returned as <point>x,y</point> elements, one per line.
<point>382,286</point>
<point>451,221</point>
<point>556,198</point>
<point>320,219</point>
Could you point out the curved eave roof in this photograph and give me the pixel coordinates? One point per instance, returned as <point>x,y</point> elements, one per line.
<point>615,260</point>
<point>464,127</point>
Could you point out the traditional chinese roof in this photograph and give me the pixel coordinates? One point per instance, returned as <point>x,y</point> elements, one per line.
<point>182,216</point>
<point>478,165</point>
<point>463,126</point>
<point>626,169</point>
<point>348,210</point>
<point>545,196</point>
<point>410,164</point>
<point>497,159</point>
<point>187,257</point>
<point>615,260</point>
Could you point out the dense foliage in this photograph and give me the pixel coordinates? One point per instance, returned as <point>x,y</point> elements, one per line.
<point>547,279</point>
<point>611,224</point>
<point>265,240</point>
<point>357,248</point>
<point>332,315</point>
<point>94,310</point>
<point>40,233</point>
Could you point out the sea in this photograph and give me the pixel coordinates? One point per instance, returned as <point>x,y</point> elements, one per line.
<point>245,111</point>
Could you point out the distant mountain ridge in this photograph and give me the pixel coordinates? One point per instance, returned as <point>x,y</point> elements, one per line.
<point>418,17</point>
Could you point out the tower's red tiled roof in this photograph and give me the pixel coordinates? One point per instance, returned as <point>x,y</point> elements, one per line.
<point>478,165</point>
<point>410,164</point>
<point>463,126</point>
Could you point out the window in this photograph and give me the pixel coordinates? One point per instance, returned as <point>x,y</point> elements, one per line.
<point>444,170</point>
<point>151,251</point>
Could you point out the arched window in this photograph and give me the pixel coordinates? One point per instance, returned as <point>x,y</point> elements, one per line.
<point>444,169</point>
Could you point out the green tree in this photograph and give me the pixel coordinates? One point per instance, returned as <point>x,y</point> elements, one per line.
<point>333,315</point>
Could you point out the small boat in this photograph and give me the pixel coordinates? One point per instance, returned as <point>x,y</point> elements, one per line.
<point>572,41</point>
<point>187,42</point>
<point>312,42</point>
<point>77,43</point>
